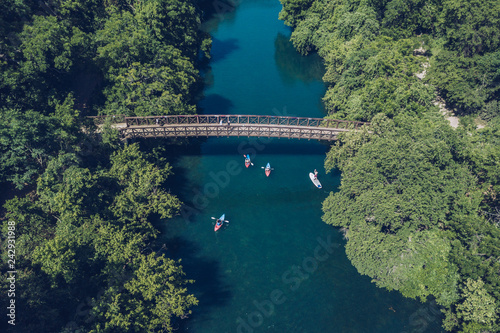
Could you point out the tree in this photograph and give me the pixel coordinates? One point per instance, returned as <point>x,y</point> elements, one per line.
<point>121,41</point>
<point>409,169</point>
<point>470,27</point>
<point>66,189</point>
<point>418,201</point>
<point>400,184</point>
<point>377,78</point>
<point>403,19</point>
<point>140,182</point>
<point>45,45</point>
<point>143,90</point>
<point>88,226</point>
<point>174,22</point>
<point>57,258</point>
<point>26,144</point>
<point>417,265</point>
<point>294,11</point>
<point>149,299</point>
<point>33,226</point>
<point>148,58</point>
<point>478,306</point>
<point>12,16</point>
<point>466,83</point>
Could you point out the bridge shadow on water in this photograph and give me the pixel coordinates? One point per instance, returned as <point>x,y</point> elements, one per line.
<point>208,288</point>
<point>264,145</point>
<point>176,149</point>
<point>231,146</point>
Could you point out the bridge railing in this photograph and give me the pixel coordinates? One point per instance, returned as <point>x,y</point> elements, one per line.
<point>242,120</point>
<point>232,119</point>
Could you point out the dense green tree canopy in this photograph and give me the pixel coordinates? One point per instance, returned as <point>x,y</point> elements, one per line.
<point>28,140</point>
<point>462,38</point>
<point>470,27</point>
<point>56,55</point>
<point>411,168</point>
<point>84,231</point>
<point>155,280</point>
<point>408,169</point>
<point>417,217</point>
<point>418,201</point>
<point>470,84</point>
<point>90,229</point>
<point>147,55</point>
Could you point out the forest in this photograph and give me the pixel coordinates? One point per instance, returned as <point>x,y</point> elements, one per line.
<point>80,205</point>
<point>418,201</point>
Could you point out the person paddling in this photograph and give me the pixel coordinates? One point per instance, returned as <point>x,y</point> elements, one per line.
<point>248,162</point>
<point>315,174</point>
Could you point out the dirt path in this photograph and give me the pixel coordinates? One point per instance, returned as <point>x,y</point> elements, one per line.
<point>439,102</point>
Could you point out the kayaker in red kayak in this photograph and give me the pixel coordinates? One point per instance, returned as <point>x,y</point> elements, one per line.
<point>219,222</point>
<point>247,160</point>
<point>267,169</point>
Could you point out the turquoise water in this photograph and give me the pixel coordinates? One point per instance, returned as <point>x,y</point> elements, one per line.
<point>275,267</point>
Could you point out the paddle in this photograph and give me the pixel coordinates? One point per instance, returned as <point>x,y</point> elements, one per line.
<point>213,218</point>
<point>265,167</point>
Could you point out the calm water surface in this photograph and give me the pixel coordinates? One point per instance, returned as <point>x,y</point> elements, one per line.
<point>275,267</point>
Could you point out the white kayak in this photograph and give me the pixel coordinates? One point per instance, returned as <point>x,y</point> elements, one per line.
<point>314,180</point>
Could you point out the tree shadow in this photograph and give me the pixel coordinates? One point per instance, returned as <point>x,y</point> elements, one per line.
<point>222,48</point>
<point>209,287</point>
<point>220,51</point>
<point>292,66</point>
<point>215,12</point>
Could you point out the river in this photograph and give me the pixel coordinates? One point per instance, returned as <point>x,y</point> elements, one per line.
<point>275,267</point>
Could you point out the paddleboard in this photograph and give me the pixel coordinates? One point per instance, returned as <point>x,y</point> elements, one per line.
<point>268,169</point>
<point>314,180</point>
<point>218,224</point>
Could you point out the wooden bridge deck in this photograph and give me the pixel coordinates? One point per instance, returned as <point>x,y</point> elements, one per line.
<point>229,125</point>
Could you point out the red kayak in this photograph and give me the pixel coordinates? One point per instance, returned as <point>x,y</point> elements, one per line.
<point>219,222</point>
<point>247,160</point>
<point>268,169</point>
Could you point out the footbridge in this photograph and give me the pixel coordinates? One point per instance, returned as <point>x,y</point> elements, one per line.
<point>229,125</point>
